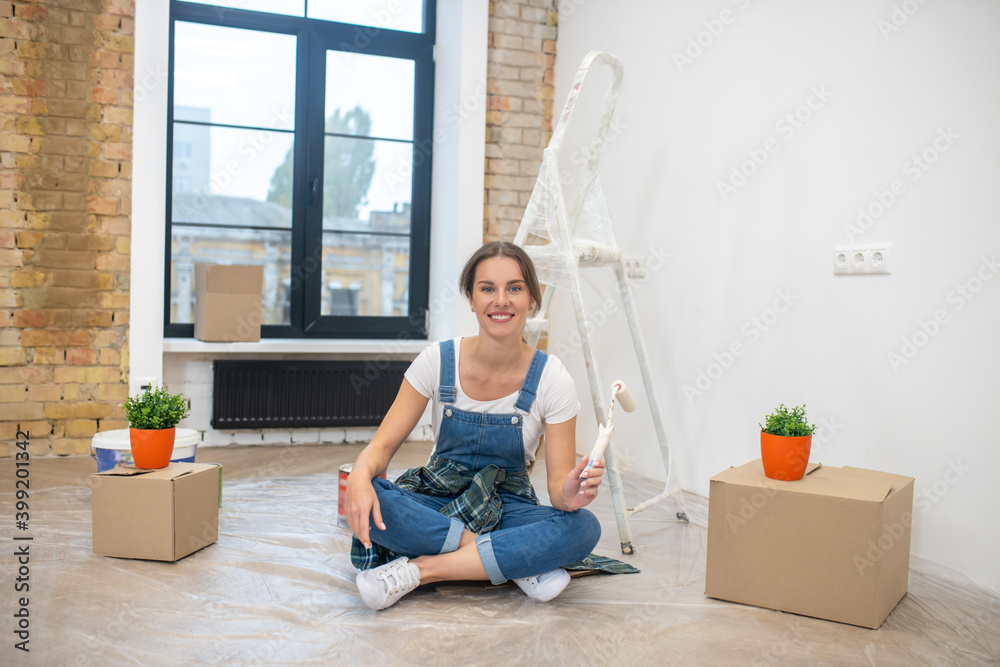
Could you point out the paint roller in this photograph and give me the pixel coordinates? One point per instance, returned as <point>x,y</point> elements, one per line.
<point>606,430</point>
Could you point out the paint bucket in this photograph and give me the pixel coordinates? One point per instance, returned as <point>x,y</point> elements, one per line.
<point>345,470</point>
<point>110,448</point>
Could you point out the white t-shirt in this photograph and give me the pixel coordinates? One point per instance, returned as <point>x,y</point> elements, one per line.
<point>555,400</point>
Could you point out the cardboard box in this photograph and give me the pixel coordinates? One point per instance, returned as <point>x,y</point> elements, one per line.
<point>228,302</point>
<point>162,514</point>
<point>833,545</point>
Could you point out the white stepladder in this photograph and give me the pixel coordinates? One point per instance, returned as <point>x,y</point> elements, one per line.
<point>560,243</point>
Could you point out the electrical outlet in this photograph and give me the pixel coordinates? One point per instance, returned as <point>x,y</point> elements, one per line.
<point>861,261</point>
<point>878,260</point>
<point>635,267</point>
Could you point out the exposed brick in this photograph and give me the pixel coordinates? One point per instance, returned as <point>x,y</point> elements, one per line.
<point>115,393</point>
<point>81,356</point>
<point>37,429</point>
<point>121,7</point>
<point>85,375</point>
<point>10,356</point>
<point>81,428</point>
<point>105,59</point>
<point>8,432</point>
<point>44,393</point>
<point>48,356</point>
<point>22,411</point>
<point>81,317</point>
<point>104,96</point>
<point>64,410</point>
<point>71,446</point>
<point>50,338</point>
<point>118,151</point>
<point>13,394</point>
<point>27,279</point>
<point>13,143</point>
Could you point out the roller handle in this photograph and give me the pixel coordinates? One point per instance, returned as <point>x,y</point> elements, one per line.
<point>604,434</point>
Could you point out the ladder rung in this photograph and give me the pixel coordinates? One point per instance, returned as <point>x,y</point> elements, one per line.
<point>596,254</point>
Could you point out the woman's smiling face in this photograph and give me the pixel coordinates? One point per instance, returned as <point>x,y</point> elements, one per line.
<point>500,297</point>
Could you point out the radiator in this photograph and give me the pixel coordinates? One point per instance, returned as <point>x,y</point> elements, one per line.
<point>290,394</point>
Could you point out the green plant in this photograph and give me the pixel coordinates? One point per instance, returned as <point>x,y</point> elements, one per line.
<point>791,423</point>
<point>155,409</point>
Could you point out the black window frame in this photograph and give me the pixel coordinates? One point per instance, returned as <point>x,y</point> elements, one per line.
<point>314,37</point>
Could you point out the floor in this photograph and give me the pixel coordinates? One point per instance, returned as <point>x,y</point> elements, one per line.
<point>278,588</point>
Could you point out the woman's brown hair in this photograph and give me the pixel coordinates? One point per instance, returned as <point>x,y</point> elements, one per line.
<point>503,249</point>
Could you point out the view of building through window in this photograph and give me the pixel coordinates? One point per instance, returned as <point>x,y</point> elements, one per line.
<point>233,169</point>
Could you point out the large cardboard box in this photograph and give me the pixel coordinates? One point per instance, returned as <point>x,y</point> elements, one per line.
<point>162,514</point>
<point>833,545</point>
<point>228,302</point>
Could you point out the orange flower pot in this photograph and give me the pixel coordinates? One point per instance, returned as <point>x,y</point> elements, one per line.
<point>151,448</point>
<point>785,457</point>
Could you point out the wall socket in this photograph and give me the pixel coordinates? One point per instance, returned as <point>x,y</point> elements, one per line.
<point>862,260</point>
<point>635,267</point>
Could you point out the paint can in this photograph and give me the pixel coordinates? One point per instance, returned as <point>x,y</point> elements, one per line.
<point>345,470</point>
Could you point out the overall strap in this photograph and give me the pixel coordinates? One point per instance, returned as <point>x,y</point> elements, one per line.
<point>526,397</point>
<point>446,392</point>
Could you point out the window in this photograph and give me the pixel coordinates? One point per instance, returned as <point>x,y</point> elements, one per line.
<point>300,136</point>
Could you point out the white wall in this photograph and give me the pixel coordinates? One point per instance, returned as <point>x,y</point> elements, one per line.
<point>754,268</point>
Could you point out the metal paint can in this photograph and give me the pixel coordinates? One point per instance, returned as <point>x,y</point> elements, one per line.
<point>345,470</point>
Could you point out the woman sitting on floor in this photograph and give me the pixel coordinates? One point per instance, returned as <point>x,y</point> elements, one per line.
<point>471,512</point>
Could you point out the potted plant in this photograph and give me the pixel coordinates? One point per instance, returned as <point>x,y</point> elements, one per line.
<point>785,441</point>
<point>152,418</point>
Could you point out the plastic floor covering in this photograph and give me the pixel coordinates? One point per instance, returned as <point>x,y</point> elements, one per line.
<point>278,588</point>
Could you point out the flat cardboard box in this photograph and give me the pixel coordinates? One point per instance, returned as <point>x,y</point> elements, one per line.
<point>162,514</point>
<point>228,302</point>
<point>833,545</point>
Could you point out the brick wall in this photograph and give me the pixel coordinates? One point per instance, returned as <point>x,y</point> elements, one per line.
<point>65,188</point>
<point>520,86</point>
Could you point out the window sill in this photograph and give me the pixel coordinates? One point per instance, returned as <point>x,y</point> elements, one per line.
<point>298,346</point>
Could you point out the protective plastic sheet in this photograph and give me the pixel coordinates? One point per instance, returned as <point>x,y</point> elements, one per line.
<point>567,222</point>
<point>278,588</point>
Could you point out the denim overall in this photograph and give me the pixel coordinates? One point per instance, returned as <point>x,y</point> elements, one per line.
<point>530,539</point>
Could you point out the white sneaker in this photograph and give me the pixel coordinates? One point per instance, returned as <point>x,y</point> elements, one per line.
<point>546,586</point>
<point>382,586</point>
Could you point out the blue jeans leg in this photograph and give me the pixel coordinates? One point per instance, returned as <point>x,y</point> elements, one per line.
<point>413,525</point>
<point>533,539</point>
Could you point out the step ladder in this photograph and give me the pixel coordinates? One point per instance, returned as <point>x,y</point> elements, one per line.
<point>562,243</point>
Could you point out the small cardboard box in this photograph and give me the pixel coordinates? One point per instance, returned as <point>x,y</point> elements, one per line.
<point>833,545</point>
<point>228,302</point>
<point>162,514</point>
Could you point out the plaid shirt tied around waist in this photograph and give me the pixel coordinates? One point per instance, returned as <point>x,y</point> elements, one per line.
<point>477,505</point>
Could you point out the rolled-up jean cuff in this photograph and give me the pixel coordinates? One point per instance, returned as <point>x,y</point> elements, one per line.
<point>454,536</point>
<point>485,546</point>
